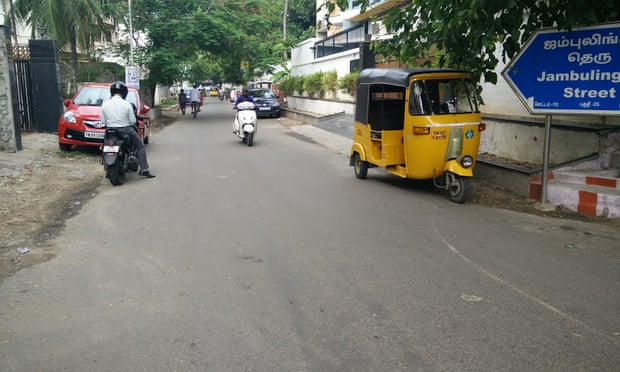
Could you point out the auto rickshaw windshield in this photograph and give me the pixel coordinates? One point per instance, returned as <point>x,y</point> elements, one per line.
<point>447,96</point>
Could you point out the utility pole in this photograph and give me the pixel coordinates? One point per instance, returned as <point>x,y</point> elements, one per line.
<point>130,37</point>
<point>284,19</point>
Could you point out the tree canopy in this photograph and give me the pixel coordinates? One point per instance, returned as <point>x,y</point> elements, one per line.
<point>214,40</point>
<point>193,40</point>
<point>466,34</point>
<point>74,23</point>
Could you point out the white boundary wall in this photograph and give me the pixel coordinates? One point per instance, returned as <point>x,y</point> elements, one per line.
<point>512,132</point>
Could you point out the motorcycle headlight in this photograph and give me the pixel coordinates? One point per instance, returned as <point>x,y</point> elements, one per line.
<point>69,117</point>
<point>467,161</point>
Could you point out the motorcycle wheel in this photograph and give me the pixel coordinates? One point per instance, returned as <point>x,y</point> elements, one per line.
<point>459,189</point>
<point>249,139</point>
<point>116,174</point>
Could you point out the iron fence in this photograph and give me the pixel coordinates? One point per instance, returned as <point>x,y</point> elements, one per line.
<point>20,55</point>
<point>340,42</point>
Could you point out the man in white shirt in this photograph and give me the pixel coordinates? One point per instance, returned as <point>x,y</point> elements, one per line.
<point>120,114</point>
<point>194,97</point>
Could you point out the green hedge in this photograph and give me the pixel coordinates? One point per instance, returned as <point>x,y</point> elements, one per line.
<point>313,84</point>
<point>319,83</point>
<point>348,83</point>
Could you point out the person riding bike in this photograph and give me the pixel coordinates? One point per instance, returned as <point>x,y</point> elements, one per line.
<point>120,114</point>
<point>195,98</point>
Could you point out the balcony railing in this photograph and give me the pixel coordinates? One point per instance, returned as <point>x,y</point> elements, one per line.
<point>345,40</point>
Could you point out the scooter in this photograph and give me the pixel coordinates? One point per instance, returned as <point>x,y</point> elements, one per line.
<point>245,125</point>
<point>119,156</point>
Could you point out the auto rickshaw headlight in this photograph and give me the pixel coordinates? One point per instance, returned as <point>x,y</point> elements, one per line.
<point>467,161</point>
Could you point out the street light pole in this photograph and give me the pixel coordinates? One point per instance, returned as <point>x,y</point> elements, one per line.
<point>130,37</point>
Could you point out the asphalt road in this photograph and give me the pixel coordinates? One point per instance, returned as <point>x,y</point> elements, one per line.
<point>276,258</point>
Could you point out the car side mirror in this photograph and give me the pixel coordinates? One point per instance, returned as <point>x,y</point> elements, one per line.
<point>67,102</point>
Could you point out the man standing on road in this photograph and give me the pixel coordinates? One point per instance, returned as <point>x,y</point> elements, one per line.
<point>120,114</point>
<point>182,101</point>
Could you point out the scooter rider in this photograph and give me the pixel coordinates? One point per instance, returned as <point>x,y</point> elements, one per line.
<point>243,97</point>
<point>120,114</point>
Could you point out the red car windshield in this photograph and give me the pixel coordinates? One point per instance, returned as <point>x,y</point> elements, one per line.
<point>95,96</point>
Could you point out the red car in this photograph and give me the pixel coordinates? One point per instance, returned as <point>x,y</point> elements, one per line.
<point>81,122</point>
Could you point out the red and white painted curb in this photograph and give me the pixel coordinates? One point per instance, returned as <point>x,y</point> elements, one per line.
<point>588,195</point>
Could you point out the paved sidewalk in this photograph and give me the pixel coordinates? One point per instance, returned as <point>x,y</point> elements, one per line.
<point>335,133</point>
<point>341,125</point>
<point>337,143</point>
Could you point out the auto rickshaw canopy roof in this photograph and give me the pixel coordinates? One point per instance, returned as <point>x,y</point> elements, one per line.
<point>398,76</point>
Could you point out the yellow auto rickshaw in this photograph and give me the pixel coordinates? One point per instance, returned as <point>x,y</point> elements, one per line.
<point>421,123</point>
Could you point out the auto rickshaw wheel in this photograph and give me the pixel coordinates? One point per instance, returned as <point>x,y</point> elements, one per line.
<point>360,167</point>
<point>459,188</point>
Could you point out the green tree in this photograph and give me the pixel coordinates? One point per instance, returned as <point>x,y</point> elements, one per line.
<point>301,20</point>
<point>465,34</point>
<point>206,39</point>
<point>74,23</point>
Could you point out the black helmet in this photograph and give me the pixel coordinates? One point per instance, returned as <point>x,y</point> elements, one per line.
<point>118,87</point>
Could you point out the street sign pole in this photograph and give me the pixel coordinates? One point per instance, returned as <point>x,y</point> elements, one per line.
<point>546,149</point>
<point>574,72</point>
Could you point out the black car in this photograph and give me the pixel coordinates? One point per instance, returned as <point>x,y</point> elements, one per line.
<point>267,104</point>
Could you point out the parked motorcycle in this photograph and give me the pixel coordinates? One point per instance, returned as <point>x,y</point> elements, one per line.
<point>245,125</point>
<point>119,156</point>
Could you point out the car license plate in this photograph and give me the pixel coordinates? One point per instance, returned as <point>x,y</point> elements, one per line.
<point>107,148</point>
<point>264,108</point>
<point>97,135</point>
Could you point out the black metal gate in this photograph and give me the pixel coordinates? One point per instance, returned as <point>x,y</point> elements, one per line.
<point>46,96</point>
<point>23,92</point>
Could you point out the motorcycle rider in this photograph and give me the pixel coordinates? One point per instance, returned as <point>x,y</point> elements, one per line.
<point>118,113</point>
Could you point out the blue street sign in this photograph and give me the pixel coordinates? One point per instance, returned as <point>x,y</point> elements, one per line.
<point>569,72</point>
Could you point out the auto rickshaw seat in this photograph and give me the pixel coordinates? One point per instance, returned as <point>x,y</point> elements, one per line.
<point>393,121</point>
<point>389,117</point>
